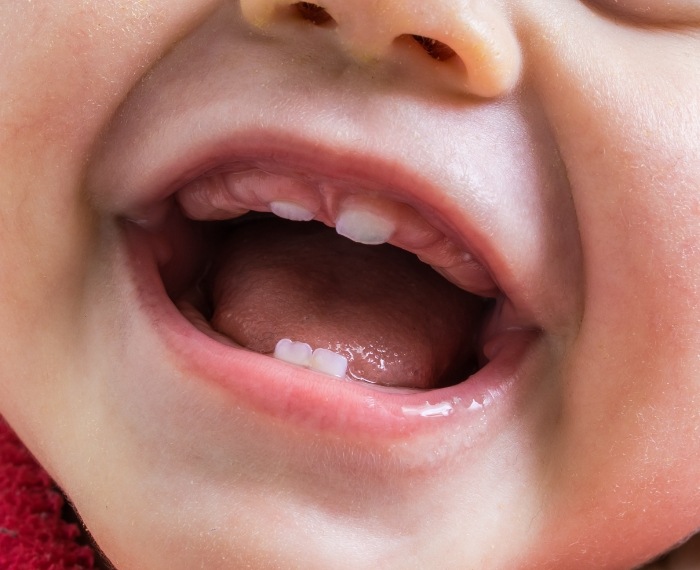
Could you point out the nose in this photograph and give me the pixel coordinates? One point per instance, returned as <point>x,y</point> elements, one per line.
<point>473,37</point>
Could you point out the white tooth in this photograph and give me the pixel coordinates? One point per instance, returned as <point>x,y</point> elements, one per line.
<point>291,211</point>
<point>329,362</point>
<point>364,227</point>
<point>293,352</point>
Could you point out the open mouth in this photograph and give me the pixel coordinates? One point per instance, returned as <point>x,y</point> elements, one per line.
<point>370,314</point>
<point>317,295</point>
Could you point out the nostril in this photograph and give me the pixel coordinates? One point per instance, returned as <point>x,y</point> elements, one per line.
<point>314,13</point>
<point>434,48</point>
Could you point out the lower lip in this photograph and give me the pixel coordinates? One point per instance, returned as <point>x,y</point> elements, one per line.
<point>313,401</point>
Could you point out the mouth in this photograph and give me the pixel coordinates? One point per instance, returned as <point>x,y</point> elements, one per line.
<point>329,291</point>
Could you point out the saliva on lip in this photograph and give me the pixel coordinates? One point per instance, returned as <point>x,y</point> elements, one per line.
<point>442,409</point>
<point>328,362</point>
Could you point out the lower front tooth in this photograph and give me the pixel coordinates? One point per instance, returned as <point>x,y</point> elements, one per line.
<point>298,353</point>
<point>329,362</point>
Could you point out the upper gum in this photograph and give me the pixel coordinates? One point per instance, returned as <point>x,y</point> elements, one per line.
<point>231,194</point>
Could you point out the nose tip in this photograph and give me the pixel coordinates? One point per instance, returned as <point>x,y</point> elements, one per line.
<point>473,37</point>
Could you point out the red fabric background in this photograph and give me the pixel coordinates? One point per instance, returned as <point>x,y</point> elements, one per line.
<point>33,536</point>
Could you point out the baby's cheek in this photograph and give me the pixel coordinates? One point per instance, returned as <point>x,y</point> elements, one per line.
<point>624,110</point>
<point>65,69</point>
<point>67,66</point>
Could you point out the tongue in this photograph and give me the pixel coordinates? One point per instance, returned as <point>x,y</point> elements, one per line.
<point>395,319</point>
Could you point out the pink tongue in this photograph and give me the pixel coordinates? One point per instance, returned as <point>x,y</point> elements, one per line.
<point>397,321</point>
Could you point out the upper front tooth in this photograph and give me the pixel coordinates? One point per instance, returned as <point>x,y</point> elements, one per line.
<point>291,211</point>
<point>364,226</point>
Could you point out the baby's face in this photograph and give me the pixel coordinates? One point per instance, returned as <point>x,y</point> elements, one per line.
<point>542,156</point>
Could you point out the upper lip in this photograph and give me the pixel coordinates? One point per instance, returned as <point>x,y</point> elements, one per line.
<point>138,193</point>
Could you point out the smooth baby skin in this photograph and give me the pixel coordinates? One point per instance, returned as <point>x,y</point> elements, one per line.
<point>562,144</point>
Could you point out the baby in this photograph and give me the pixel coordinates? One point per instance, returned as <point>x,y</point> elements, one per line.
<point>499,369</point>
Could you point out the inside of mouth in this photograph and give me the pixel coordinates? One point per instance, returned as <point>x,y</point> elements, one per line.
<point>256,280</point>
